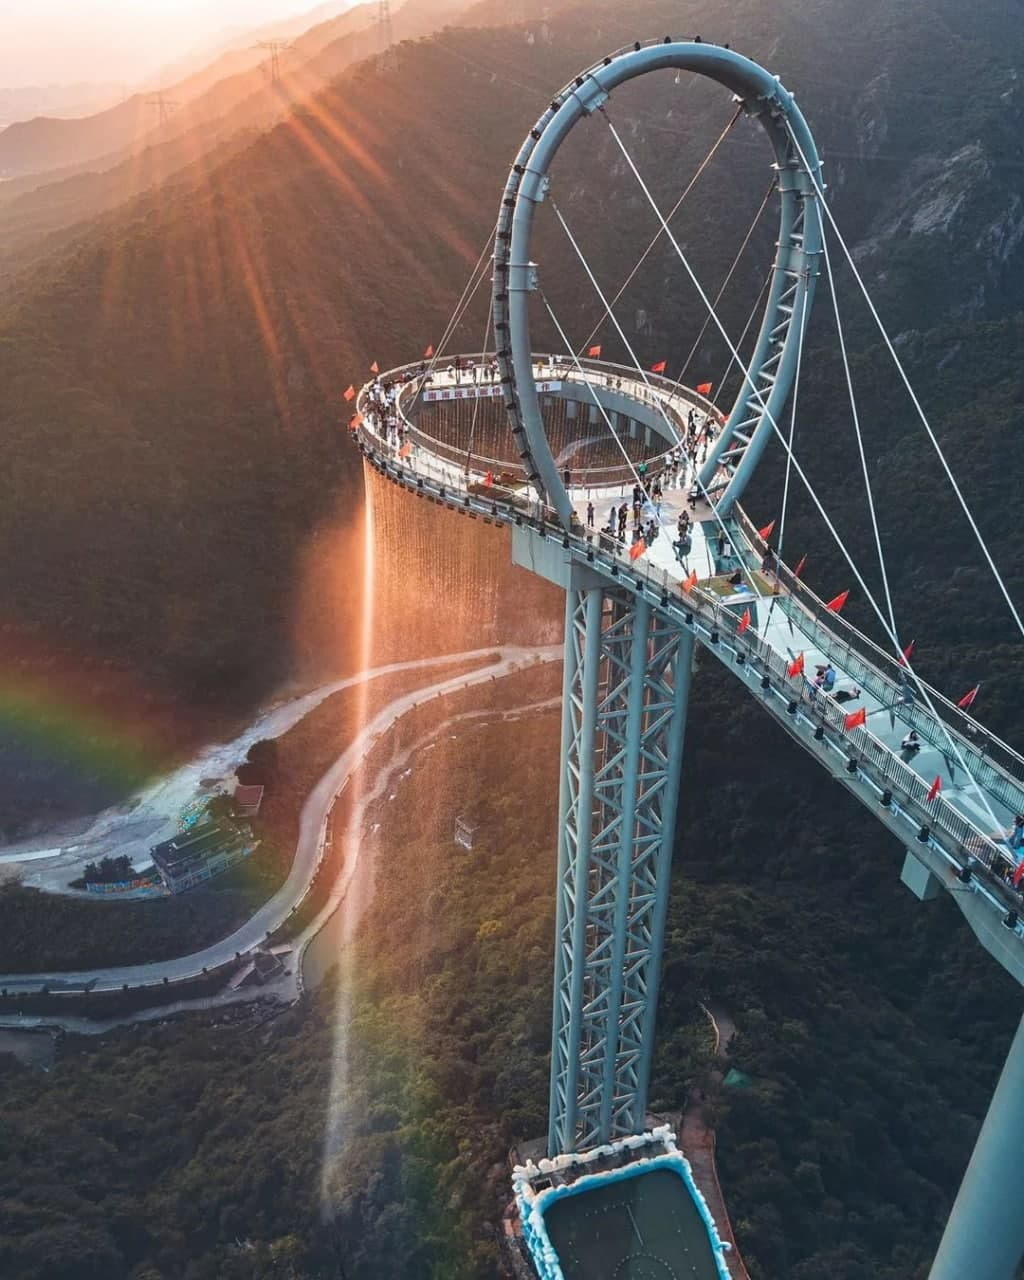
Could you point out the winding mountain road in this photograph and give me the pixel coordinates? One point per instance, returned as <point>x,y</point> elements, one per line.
<point>309,846</point>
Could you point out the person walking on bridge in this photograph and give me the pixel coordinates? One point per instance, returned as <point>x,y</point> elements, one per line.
<point>590,515</point>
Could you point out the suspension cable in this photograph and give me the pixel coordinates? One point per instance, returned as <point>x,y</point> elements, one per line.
<point>576,361</point>
<point>719,386</point>
<point>727,535</point>
<point>906,382</point>
<point>673,435</point>
<point>477,399</point>
<point>724,530</point>
<point>857,432</point>
<point>922,688</point>
<point>476,279</point>
<point>789,447</point>
<point>672,213</point>
<point>725,282</point>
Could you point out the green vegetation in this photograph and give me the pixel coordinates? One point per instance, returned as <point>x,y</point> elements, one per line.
<point>107,871</point>
<point>872,1027</point>
<point>41,932</point>
<point>169,384</point>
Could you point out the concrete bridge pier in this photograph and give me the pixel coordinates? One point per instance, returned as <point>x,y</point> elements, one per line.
<point>984,1238</point>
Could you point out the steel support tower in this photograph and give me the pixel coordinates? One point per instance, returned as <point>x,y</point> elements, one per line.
<point>627,678</point>
<point>627,667</point>
<point>984,1238</point>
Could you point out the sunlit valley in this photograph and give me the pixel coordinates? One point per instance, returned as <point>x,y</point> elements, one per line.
<point>412,418</point>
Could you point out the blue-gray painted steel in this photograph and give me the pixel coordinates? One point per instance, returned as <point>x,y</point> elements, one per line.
<point>627,674</point>
<point>984,1238</point>
<point>735,453</point>
<point>985,1235</point>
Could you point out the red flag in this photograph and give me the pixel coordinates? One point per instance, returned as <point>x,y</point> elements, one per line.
<point>405,450</point>
<point>857,717</point>
<point>637,549</point>
<point>934,789</point>
<point>796,667</point>
<point>689,582</point>
<point>744,622</point>
<point>355,422</point>
<point>659,367</point>
<point>429,352</point>
<point>704,388</point>
<point>835,605</point>
<point>968,699</point>
<point>1018,874</point>
<point>489,479</point>
<point>765,533</point>
<point>350,393</point>
<point>375,367</point>
<point>907,652</point>
<point>594,352</point>
<point>800,567</point>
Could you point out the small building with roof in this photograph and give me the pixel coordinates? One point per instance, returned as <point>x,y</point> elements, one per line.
<point>247,798</point>
<point>199,854</point>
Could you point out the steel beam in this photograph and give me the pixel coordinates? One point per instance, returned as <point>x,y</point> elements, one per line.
<point>792,287</point>
<point>627,675</point>
<point>984,1238</point>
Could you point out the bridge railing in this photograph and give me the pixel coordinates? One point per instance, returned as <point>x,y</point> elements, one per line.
<point>939,823</point>
<point>657,391</point>
<point>585,478</point>
<point>992,762</point>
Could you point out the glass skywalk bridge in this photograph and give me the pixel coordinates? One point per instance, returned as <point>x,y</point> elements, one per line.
<point>956,840</point>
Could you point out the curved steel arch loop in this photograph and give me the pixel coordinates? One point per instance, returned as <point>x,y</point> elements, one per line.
<point>763,394</point>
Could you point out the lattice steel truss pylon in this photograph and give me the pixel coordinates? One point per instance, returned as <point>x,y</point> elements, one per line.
<point>627,679</point>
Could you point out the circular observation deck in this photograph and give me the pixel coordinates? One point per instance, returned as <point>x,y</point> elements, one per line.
<point>606,424</point>
<point>445,439</point>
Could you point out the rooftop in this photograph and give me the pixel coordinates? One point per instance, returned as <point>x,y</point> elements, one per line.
<point>639,1228</point>
<point>628,1210</point>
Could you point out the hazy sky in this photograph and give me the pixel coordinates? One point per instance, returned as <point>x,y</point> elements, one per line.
<point>60,41</point>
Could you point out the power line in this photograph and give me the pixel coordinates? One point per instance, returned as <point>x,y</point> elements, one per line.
<point>275,48</point>
<point>166,106</point>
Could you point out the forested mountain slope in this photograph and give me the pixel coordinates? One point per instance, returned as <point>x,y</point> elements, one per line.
<point>169,386</point>
<point>40,212</point>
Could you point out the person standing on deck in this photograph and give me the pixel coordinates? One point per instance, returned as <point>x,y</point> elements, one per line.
<point>590,515</point>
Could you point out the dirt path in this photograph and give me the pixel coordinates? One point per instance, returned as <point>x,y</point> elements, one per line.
<point>698,1139</point>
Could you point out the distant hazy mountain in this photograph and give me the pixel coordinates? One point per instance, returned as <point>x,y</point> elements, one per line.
<point>243,39</point>
<point>169,385</point>
<point>283,28</point>
<point>28,101</point>
<point>37,207</point>
<point>44,144</point>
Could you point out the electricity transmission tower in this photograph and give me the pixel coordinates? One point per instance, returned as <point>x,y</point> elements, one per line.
<point>166,106</point>
<point>386,57</point>
<point>275,48</point>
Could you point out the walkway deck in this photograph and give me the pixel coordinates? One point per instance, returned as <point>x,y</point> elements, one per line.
<point>959,834</point>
